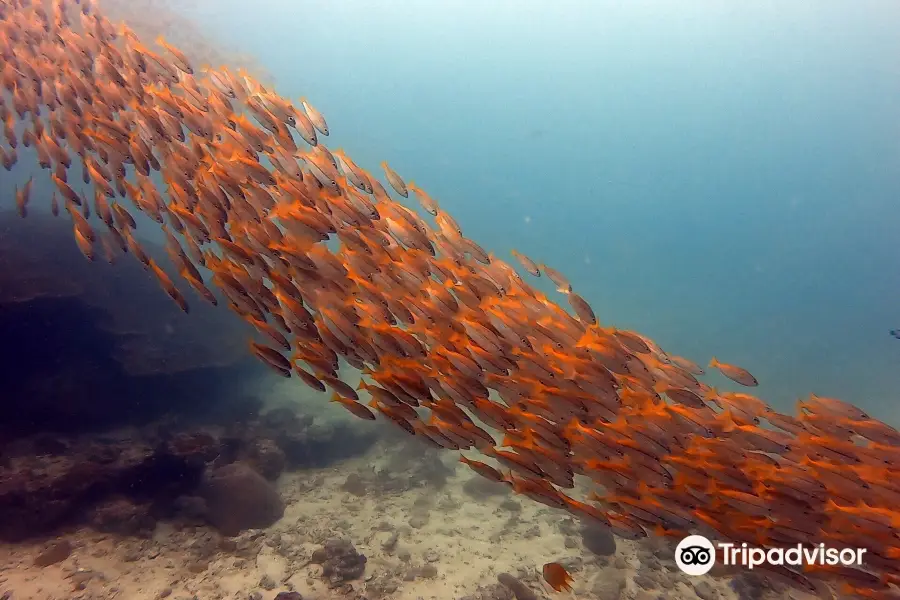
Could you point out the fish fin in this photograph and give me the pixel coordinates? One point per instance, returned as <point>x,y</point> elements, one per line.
<point>730,424</point>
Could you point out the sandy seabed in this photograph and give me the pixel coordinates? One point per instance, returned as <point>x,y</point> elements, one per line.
<point>444,541</point>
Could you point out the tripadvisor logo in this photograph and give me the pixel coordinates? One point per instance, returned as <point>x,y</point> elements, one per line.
<point>696,555</point>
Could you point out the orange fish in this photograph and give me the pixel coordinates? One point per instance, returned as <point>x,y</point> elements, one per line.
<point>734,373</point>
<point>557,577</point>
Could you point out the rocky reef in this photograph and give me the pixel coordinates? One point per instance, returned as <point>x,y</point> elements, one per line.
<point>117,410</point>
<point>125,481</point>
<point>92,345</point>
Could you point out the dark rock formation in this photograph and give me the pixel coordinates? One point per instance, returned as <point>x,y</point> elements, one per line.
<point>122,516</point>
<point>92,345</point>
<point>340,561</point>
<point>239,498</point>
<point>519,589</point>
<point>54,553</point>
<point>41,493</point>
<point>266,458</point>
<point>115,403</point>
<point>123,482</point>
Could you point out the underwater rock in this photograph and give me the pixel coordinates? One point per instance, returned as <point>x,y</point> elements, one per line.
<point>432,556</point>
<point>572,564</point>
<point>597,538</point>
<point>705,591</point>
<point>306,444</point>
<point>418,521</point>
<point>609,584</point>
<point>389,544</point>
<point>532,532</point>
<point>40,493</point>
<point>189,509</point>
<point>493,591</point>
<point>428,571</point>
<point>354,484</point>
<point>749,586</point>
<point>414,464</point>
<point>266,458</point>
<point>402,474</point>
<point>239,498</point>
<point>54,553</point>
<point>380,586</point>
<point>569,526</point>
<point>123,481</point>
<point>421,572</point>
<point>519,589</point>
<point>645,581</point>
<point>88,345</point>
<point>121,516</point>
<point>340,561</point>
<point>288,596</point>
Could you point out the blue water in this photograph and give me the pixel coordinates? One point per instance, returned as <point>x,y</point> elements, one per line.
<point>722,178</point>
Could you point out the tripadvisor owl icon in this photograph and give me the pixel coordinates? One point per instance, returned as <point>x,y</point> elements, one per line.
<point>695,555</point>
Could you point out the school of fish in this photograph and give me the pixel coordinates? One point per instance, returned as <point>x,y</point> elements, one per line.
<point>455,346</point>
